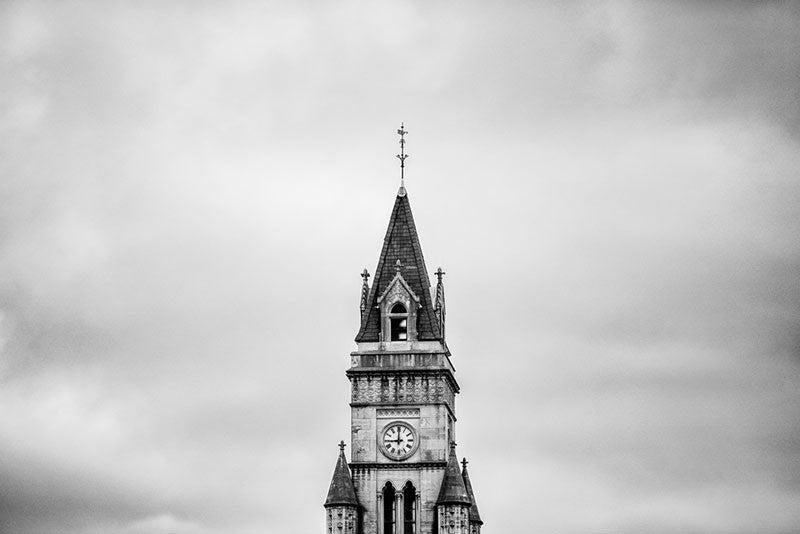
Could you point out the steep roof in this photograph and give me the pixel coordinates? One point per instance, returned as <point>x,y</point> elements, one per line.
<point>474,515</point>
<point>342,491</point>
<point>453,490</point>
<point>401,243</point>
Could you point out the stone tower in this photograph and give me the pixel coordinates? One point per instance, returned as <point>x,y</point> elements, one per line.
<point>405,475</point>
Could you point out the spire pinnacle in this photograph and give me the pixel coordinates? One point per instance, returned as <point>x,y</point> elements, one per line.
<point>342,445</point>
<point>402,157</point>
<point>364,291</point>
<point>439,305</point>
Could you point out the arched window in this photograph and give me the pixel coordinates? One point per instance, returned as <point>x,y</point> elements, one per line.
<point>409,508</point>
<point>398,322</point>
<point>388,508</point>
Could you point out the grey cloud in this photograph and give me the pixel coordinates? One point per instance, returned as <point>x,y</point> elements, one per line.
<point>190,192</point>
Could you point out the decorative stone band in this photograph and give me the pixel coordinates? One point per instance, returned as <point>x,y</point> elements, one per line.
<point>397,414</point>
<point>398,388</point>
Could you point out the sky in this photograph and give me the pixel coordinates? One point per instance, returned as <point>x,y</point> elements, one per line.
<point>189,191</point>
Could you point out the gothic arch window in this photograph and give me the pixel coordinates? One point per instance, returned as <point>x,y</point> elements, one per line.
<point>398,322</point>
<point>388,508</point>
<point>409,508</point>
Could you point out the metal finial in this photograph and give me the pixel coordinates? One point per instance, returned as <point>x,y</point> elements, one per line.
<point>342,445</point>
<point>452,444</point>
<point>464,463</point>
<point>365,275</point>
<point>402,155</point>
<point>440,273</point>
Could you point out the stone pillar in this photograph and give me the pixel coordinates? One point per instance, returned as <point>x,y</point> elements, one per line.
<point>417,514</point>
<point>399,518</point>
<point>380,512</point>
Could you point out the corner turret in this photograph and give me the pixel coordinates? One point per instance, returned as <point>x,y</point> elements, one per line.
<point>453,504</point>
<point>341,506</point>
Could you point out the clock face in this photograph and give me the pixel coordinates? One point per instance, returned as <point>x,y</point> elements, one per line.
<point>398,440</point>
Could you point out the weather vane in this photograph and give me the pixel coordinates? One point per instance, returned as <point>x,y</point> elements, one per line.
<point>402,155</point>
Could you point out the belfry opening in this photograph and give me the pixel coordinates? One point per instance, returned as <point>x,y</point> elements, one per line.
<point>398,321</point>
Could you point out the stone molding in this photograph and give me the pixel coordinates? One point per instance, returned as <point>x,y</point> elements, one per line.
<point>358,467</point>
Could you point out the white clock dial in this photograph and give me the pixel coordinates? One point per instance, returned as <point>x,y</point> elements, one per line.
<point>398,440</point>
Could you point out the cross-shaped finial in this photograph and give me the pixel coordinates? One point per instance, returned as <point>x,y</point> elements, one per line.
<point>398,265</point>
<point>464,463</point>
<point>440,273</point>
<point>452,444</point>
<point>342,445</point>
<point>402,155</point>
<point>365,275</point>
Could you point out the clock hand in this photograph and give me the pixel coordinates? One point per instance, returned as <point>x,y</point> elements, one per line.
<point>399,438</point>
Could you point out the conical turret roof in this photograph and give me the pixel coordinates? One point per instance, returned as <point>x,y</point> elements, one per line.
<point>342,492</point>
<point>453,490</point>
<point>400,244</point>
<point>474,515</point>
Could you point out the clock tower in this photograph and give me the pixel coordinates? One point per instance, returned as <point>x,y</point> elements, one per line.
<point>403,476</point>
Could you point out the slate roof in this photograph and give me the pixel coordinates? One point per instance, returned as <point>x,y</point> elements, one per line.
<point>474,515</point>
<point>401,243</point>
<point>453,490</point>
<point>342,492</point>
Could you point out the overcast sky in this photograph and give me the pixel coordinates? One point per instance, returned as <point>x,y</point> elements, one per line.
<point>189,190</point>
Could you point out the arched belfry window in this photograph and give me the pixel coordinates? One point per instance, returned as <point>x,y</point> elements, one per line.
<point>398,305</point>
<point>398,322</point>
<point>409,508</point>
<point>388,508</point>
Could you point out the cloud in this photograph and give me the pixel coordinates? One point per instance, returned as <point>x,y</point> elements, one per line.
<point>190,192</point>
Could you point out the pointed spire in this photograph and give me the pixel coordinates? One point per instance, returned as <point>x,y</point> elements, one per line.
<point>474,515</point>
<point>364,291</point>
<point>439,306</point>
<point>453,490</point>
<point>342,492</point>
<point>401,244</point>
